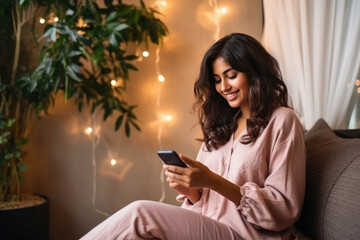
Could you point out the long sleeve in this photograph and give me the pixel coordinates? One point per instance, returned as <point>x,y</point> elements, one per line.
<point>276,204</point>
<point>270,173</point>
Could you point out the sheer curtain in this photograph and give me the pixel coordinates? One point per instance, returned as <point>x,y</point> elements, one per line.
<point>317,44</point>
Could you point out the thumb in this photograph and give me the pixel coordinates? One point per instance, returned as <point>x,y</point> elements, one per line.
<point>188,161</point>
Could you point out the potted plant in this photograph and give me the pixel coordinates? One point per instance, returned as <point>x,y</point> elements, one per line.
<point>83,52</point>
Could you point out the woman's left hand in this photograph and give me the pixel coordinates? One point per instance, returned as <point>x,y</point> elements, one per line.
<point>197,175</point>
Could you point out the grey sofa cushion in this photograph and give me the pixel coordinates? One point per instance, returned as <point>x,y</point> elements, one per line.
<point>332,201</point>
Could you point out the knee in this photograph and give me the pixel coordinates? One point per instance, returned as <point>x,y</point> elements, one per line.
<point>139,207</point>
<point>139,204</point>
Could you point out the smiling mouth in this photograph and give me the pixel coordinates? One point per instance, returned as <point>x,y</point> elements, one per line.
<point>230,96</point>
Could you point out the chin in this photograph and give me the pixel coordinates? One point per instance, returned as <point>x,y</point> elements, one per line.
<point>234,105</point>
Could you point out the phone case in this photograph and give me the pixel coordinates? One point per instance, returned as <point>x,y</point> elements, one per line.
<point>170,157</point>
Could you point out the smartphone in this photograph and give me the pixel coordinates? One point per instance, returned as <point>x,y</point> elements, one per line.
<point>170,157</point>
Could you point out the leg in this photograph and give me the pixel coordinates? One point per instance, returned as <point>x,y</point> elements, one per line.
<point>154,220</point>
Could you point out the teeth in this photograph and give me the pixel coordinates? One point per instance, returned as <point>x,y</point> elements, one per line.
<point>231,94</point>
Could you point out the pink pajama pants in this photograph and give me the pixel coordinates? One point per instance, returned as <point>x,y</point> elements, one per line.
<point>153,220</point>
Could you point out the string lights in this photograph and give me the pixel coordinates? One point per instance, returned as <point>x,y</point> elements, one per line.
<point>161,79</point>
<point>217,13</point>
<point>94,132</point>
<point>51,19</point>
<point>95,136</point>
<point>162,118</point>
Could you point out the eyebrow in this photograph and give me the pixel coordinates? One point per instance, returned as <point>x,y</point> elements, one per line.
<point>224,72</point>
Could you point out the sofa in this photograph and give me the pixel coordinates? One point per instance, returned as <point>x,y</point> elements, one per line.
<point>331,207</point>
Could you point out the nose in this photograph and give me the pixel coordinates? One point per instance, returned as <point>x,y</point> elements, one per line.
<point>224,85</point>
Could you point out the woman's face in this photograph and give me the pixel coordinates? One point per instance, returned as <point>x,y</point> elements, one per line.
<point>231,84</point>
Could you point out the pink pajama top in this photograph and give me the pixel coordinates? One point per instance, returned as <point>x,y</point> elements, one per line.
<point>271,176</point>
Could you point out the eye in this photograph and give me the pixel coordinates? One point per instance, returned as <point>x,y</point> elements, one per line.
<point>217,80</point>
<point>233,76</point>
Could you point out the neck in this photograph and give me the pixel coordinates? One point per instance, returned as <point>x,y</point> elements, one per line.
<point>245,112</point>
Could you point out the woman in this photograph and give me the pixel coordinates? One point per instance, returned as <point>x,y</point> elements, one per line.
<point>248,180</point>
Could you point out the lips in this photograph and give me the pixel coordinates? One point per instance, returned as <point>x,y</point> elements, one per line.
<point>231,96</point>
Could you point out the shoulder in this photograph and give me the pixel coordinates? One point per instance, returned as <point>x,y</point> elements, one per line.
<point>284,121</point>
<point>283,113</point>
<point>283,117</point>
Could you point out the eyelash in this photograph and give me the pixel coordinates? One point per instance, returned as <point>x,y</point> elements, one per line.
<point>231,77</point>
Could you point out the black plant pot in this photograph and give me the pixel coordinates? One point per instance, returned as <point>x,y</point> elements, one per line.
<point>25,223</point>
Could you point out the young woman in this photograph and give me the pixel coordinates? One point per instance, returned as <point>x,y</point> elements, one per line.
<point>248,180</point>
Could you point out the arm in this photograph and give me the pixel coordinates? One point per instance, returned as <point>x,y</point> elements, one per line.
<point>275,204</point>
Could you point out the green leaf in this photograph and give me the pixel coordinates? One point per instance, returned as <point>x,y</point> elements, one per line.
<point>10,122</point>
<point>72,74</point>
<point>22,167</point>
<point>113,40</point>
<point>57,82</point>
<point>107,113</point>
<point>75,68</point>
<point>142,4</point>
<point>135,125</point>
<point>32,85</point>
<point>74,53</point>
<point>120,27</point>
<point>124,11</point>
<point>119,122</point>
<point>111,17</point>
<point>132,67</point>
<point>127,129</point>
<point>130,57</point>
<point>53,34</point>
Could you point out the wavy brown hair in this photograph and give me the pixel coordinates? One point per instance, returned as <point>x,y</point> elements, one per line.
<point>267,90</point>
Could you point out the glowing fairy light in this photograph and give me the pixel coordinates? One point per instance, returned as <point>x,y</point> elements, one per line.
<point>160,4</point>
<point>358,90</point>
<point>81,24</point>
<point>216,18</point>
<point>113,162</point>
<point>113,82</point>
<point>223,10</point>
<point>42,20</point>
<point>168,118</point>
<point>88,130</point>
<point>56,19</point>
<point>357,82</point>
<point>145,53</point>
<point>161,78</point>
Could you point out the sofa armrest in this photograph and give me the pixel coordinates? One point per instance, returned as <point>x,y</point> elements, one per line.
<point>331,207</point>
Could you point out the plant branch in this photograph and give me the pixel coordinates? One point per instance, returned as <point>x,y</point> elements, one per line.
<point>17,31</point>
<point>15,172</point>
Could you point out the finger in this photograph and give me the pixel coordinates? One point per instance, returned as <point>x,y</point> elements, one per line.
<point>188,161</point>
<point>174,169</point>
<point>174,176</point>
<point>182,180</point>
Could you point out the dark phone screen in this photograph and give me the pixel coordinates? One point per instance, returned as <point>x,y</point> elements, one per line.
<point>170,157</point>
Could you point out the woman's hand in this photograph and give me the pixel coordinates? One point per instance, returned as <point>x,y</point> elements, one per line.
<point>197,175</point>
<point>187,181</point>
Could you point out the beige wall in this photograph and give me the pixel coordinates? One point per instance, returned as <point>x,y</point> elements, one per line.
<point>60,154</point>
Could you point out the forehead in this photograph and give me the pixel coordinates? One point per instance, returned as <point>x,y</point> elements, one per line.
<point>220,66</point>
